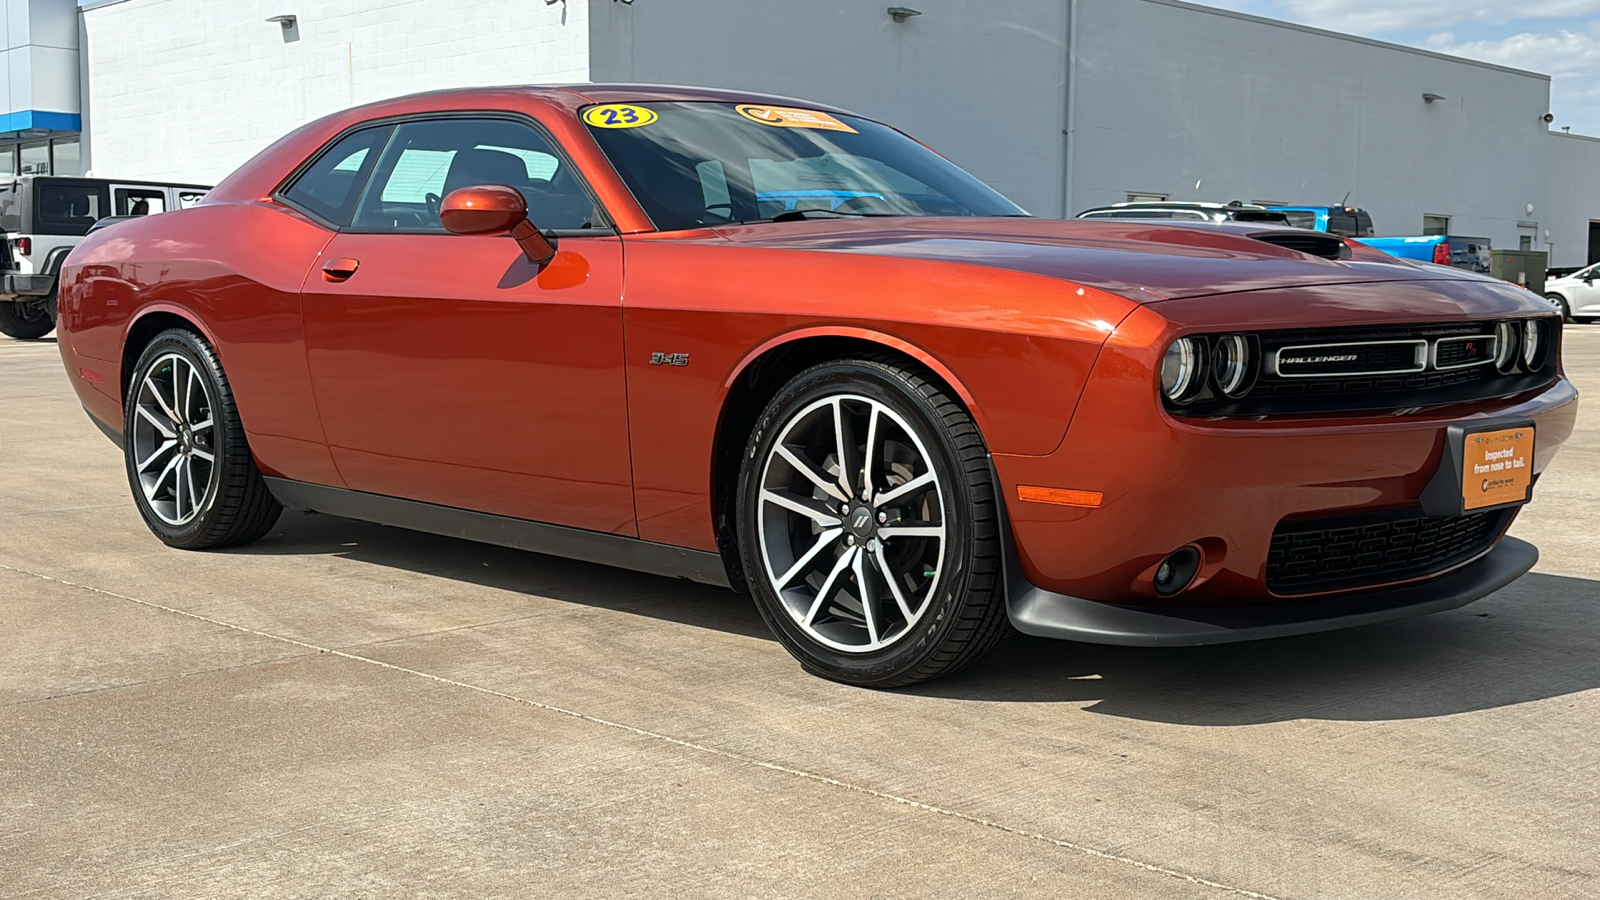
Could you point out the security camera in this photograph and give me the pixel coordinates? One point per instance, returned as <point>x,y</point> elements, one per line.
<point>1548,118</point>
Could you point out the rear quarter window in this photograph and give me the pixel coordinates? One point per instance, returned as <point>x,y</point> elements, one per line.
<point>63,207</point>
<point>11,206</point>
<point>330,186</point>
<point>1302,218</point>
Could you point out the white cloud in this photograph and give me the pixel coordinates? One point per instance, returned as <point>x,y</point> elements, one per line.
<point>1567,48</point>
<point>1378,17</point>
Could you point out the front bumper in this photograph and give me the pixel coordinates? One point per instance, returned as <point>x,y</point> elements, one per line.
<point>1045,614</point>
<point>1160,482</point>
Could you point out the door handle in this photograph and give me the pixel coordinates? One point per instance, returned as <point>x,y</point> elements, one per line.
<point>340,269</point>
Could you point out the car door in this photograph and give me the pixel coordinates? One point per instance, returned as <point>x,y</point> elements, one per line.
<point>452,370</point>
<point>1584,290</point>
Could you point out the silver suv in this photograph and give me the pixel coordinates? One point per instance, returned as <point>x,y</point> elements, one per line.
<point>1184,211</point>
<point>44,217</point>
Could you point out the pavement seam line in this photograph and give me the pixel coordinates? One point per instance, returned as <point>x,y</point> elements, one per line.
<point>969,818</point>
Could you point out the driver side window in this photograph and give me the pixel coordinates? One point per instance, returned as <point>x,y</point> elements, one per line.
<point>427,160</point>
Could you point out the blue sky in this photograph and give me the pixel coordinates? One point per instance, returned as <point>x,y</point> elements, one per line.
<point>1560,38</point>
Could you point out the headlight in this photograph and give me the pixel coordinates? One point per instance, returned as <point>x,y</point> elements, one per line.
<point>1506,339</point>
<point>1183,370</point>
<point>1535,344</point>
<point>1234,365</point>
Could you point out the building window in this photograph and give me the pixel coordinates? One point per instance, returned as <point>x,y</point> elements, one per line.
<point>1135,197</point>
<point>58,156</point>
<point>64,157</point>
<point>35,158</point>
<point>1435,225</point>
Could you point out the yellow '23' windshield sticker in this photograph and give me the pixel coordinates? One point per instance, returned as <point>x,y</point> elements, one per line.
<point>618,115</point>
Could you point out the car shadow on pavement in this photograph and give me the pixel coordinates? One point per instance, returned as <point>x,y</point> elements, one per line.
<point>518,571</point>
<point>1533,641</point>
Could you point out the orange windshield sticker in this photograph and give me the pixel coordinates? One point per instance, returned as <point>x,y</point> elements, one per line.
<point>618,115</point>
<point>785,117</point>
<point>1497,467</point>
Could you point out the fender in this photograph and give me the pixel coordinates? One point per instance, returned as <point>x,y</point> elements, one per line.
<point>890,341</point>
<point>165,306</point>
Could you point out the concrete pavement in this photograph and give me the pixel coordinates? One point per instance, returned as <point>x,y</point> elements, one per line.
<point>356,711</point>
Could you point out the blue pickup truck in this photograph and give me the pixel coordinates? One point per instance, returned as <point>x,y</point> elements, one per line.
<point>1470,253</point>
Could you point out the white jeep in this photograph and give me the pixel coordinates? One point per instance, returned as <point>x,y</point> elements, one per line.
<point>43,217</point>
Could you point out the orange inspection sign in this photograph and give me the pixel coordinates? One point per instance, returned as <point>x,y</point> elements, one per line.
<point>786,117</point>
<point>1497,467</point>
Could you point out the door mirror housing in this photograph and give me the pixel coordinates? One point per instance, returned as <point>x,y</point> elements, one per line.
<point>491,209</point>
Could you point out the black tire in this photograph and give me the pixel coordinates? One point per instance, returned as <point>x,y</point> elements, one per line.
<point>28,320</point>
<point>235,506</point>
<point>1561,305</point>
<point>964,615</point>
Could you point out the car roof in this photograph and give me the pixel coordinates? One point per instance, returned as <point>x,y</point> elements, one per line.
<point>576,96</point>
<point>646,93</point>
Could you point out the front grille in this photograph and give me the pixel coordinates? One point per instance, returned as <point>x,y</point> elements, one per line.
<point>1374,358</point>
<point>1355,551</point>
<point>1307,370</point>
<point>1452,353</point>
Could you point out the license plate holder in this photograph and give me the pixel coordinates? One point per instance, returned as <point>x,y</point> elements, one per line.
<point>1485,466</point>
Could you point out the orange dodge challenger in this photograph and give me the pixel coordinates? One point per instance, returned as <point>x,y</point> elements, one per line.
<point>766,344</point>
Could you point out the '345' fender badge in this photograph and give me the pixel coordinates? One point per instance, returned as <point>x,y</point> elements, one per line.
<point>669,359</point>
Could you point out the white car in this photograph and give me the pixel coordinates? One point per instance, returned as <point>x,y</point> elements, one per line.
<point>1576,295</point>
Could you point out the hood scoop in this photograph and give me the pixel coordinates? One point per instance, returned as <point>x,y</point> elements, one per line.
<point>1310,243</point>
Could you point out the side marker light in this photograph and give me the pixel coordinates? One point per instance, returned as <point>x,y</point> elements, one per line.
<point>1060,497</point>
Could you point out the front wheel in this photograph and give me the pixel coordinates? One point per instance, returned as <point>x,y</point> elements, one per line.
<point>28,320</point>
<point>868,526</point>
<point>1561,306</point>
<point>189,465</point>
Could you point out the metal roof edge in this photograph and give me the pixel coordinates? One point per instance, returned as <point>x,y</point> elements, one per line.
<point>1323,32</point>
<point>1579,137</point>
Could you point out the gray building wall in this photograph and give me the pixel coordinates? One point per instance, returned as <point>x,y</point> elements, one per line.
<point>1164,97</point>
<point>980,82</point>
<point>1574,173</point>
<point>1201,104</point>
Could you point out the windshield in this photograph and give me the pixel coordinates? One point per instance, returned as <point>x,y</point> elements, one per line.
<point>698,164</point>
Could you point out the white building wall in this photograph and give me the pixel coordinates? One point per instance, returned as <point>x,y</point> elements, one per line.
<point>39,43</point>
<point>1200,104</point>
<point>187,90</point>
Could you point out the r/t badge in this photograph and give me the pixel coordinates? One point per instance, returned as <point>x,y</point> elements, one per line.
<point>669,359</point>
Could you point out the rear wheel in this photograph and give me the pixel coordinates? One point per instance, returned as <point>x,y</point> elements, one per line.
<point>28,319</point>
<point>868,526</point>
<point>188,462</point>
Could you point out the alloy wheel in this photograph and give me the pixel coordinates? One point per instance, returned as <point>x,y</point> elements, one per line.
<point>174,439</point>
<point>851,523</point>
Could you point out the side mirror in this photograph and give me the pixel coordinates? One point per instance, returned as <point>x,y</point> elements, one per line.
<point>1588,278</point>
<point>489,209</point>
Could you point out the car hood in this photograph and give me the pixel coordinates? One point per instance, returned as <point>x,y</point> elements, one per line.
<point>1139,260</point>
